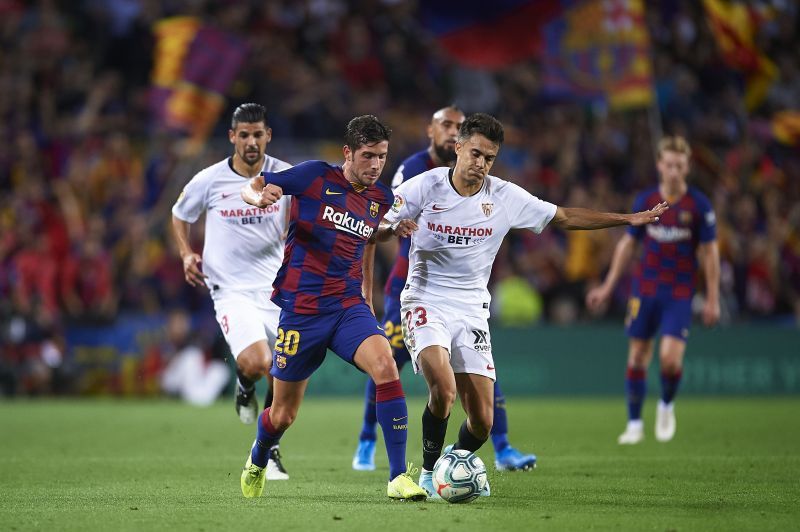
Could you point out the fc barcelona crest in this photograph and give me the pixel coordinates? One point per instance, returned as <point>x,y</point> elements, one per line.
<point>487,208</point>
<point>373,209</point>
<point>685,217</point>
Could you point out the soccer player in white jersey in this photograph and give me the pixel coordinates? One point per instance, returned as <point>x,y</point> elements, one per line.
<point>242,253</point>
<point>459,217</point>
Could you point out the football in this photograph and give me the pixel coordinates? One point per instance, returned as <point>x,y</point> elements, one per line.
<point>459,476</point>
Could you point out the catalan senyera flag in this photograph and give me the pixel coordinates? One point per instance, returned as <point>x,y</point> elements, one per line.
<point>193,68</point>
<point>599,50</point>
<point>734,26</point>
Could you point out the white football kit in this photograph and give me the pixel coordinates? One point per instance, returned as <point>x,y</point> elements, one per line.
<point>242,252</point>
<point>446,298</point>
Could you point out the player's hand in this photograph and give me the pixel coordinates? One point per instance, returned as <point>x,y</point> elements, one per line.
<point>191,270</point>
<point>711,313</point>
<point>270,194</point>
<point>649,217</point>
<point>597,299</point>
<point>405,227</point>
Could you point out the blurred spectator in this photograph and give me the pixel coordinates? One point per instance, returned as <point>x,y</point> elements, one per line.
<point>188,373</point>
<point>87,179</point>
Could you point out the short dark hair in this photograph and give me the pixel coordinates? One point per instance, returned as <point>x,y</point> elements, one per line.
<point>365,129</point>
<point>249,113</point>
<point>483,124</point>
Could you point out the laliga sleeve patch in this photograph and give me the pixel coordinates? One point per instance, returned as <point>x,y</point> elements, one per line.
<point>398,203</point>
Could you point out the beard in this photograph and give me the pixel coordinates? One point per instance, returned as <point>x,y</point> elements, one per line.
<point>446,155</point>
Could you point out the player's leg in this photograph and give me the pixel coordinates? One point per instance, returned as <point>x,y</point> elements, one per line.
<point>242,323</point>
<point>640,353</point>
<point>671,357</point>
<point>252,363</point>
<point>271,319</point>
<point>641,325</point>
<point>357,340</point>
<point>299,350</point>
<point>507,458</point>
<point>364,457</point>
<point>675,330</point>
<point>272,423</point>
<point>474,368</point>
<point>434,362</point>
<point>476,394</point>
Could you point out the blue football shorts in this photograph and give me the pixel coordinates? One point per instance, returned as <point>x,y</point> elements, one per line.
<point>304,339</point>
<point>646,315</point>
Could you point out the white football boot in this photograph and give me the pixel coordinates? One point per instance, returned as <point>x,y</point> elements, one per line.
<point>665,421</point>
<point>634,433</point>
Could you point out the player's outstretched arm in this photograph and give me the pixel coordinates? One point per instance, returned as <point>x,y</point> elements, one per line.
<point>260,194</point>
<point>598,297</point>
<point>578,218</point>
<point>400,228</point>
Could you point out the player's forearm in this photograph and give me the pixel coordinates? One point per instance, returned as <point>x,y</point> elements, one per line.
<point>385,231</point>
<point>711,270</point>
<point>571,218</point>
<point>180,231</point>
<point>619,262</point>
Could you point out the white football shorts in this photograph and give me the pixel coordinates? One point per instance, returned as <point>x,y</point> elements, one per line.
<point>246,317</point>
<point>466,337</point>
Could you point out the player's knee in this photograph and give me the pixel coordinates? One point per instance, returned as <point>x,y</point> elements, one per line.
<point>253,367</point>
<point>384,369</point>
<point>443,396</point>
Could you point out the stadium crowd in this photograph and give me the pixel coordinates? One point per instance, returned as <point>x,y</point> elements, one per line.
<point>87,177</point>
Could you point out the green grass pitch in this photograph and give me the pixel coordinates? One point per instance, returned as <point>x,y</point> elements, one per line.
<point>162,465</point>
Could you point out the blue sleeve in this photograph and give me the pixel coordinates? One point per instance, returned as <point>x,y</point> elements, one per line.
<point>707,231</point>
<point>637,232</point>
<point>296,180</point>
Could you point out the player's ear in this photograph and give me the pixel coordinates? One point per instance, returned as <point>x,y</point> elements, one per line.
<point>232,136</point>
<point>347,153</point>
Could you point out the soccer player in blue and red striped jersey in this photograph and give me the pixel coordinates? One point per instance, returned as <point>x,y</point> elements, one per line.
<point>663,285</point>
<point>335,212</point>
<point>442,132</point>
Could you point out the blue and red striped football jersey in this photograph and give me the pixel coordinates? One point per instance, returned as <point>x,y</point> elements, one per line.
<point>412,166</point>
<point>331,221</point>
<point>669,262</point>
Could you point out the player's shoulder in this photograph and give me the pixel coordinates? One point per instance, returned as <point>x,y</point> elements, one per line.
<point>221,168</point>
<point>314,167</point>
<point>648,195</point>
<point>699,197</point>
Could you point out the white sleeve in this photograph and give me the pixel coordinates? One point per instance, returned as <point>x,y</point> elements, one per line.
<point>526,210</point>
<point>407,201</point>
<point>193,199</point>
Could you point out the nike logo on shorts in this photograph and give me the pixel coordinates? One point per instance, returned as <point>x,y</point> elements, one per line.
<point>398,418</point>
<point>489,367</point>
